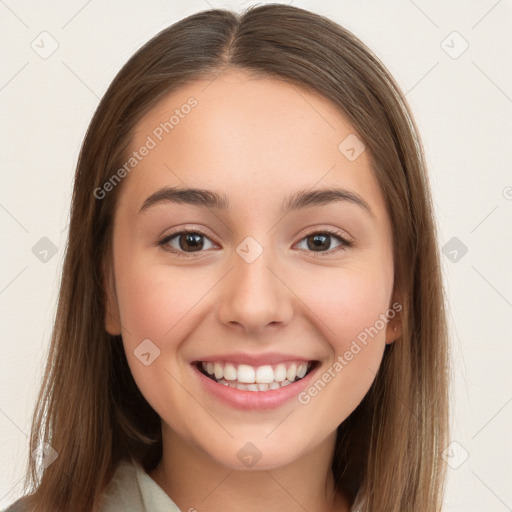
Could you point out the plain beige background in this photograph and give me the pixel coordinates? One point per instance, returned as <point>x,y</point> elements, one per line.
<point>453,61</point>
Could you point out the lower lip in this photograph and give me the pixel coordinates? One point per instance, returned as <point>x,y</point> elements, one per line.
<point>255,400</point>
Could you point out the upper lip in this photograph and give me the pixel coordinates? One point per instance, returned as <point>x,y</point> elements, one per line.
<point>254,359</point>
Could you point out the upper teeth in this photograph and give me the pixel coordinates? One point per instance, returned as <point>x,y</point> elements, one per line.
<point>266,374</point>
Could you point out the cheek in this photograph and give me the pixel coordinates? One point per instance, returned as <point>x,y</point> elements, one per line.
<point>349,300</point>
<point>153,298</point>
<point>355,310</point>
<point>160,304</point>
<point>352,304</point>
<point>157,304</point>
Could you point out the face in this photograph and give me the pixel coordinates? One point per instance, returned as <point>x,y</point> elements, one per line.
<point>262,282</point>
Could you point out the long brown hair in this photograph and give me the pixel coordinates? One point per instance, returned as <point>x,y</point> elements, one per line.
<point>90,411</point>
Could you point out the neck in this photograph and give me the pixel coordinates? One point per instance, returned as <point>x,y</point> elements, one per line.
<point>195,481</point>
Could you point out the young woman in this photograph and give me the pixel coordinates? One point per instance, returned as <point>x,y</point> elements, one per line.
<point>251,314</point>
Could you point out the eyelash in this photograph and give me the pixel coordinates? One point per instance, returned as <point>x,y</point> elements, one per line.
<point>335,234</point>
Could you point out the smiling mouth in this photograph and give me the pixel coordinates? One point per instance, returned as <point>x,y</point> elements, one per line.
<point>249,378</point>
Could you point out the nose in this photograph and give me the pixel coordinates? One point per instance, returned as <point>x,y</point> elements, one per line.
<point>254,296</point>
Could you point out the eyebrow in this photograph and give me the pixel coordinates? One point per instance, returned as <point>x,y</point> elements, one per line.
<point>210,199</point>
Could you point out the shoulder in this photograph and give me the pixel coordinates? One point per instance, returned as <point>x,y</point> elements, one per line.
<point>133,490</point>
<point>18,506</point>
<point>123,491</point>
<point>130,490</point>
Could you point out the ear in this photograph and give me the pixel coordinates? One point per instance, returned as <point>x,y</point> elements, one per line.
<point>112,317</point>
<point>394,325</point>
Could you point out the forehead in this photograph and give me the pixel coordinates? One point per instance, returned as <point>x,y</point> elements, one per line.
<point>247,136</point>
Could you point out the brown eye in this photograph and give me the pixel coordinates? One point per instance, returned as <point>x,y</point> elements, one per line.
<point>184,242</point>
<point>321,242</point>
<point>190,241</point>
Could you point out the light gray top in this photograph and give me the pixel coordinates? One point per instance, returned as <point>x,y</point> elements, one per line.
<point>133,490</point>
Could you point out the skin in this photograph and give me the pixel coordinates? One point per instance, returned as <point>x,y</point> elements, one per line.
<point>257,140</point>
